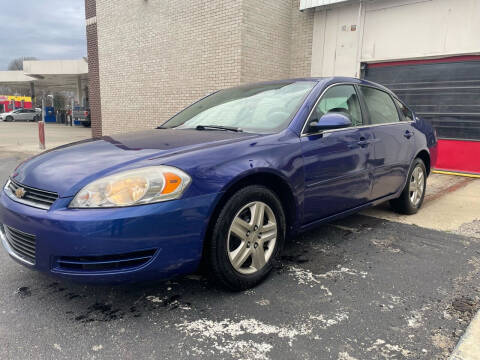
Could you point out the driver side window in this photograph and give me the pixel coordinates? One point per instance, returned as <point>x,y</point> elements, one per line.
<point>342,99</point>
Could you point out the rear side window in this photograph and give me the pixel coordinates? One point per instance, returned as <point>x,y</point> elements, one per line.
<point>380,106</point>
<point>406,114</point>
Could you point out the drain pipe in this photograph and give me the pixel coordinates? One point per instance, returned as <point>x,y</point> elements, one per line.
<point>361,31</point>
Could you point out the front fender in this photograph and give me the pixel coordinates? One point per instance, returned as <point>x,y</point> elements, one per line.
<point>220,169</point>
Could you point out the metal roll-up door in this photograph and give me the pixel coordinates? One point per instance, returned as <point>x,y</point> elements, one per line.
<point>445,92</point>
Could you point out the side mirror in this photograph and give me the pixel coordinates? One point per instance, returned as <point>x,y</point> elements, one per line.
<point>330,121</point>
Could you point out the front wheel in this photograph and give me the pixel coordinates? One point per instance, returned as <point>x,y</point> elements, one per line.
<point>246,238</point>
<point>413,194</point>
<point>9,118</point>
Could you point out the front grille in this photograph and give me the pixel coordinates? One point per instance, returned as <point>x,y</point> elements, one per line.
<point>33,197</point>
<point>105,263</point>
<point>22,244</point>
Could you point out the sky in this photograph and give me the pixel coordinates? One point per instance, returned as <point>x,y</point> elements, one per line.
<point>45,29</point>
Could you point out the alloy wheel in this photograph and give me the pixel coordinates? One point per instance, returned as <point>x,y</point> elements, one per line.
<point>417,186</point>
<point>252,237</point>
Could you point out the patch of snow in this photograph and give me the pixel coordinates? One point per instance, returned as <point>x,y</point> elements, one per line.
<point>381,347</point>
<point>415,321</point>
<point>306,277</point>
<point>345,356</point>
<point>218,329</point>
<point>248,349</point>
<point>263,302</point>
<point>229,336</point>
<point>97,347</point>
<point>184,306</point>
<point>154,299</point>
<point>339,317</point>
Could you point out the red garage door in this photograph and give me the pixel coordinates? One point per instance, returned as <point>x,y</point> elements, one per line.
<point>445,92</point>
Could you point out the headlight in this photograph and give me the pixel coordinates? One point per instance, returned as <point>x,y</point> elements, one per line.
<point>133,187</point>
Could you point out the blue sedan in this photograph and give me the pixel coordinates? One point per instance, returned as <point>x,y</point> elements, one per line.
<point>223,182</point>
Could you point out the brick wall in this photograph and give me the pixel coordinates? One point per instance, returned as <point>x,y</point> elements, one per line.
<point>266,29</point>
<point>93,71</point>
<point>301,41</point>
<point>94,81</point>
<point>90,9</point>
<point>157,56</point>
<point>276,40</point>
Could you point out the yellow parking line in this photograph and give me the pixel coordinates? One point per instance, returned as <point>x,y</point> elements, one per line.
<point>455,173</point>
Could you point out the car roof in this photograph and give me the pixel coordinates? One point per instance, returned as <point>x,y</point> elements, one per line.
<point>329,80</point>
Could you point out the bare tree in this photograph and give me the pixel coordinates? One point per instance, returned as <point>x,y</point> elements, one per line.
<point>17,64</point>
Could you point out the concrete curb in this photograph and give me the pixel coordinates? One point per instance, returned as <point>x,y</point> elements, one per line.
<point>468,348</point>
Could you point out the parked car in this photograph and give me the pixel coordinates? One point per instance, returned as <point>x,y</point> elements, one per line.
<point>20,115</point>
<point>83,116</point>
<point>224,181</point>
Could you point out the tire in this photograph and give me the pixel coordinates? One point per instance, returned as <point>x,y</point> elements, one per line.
<point>224,244</point>
<point>407,203</point>
<point>9,118</point>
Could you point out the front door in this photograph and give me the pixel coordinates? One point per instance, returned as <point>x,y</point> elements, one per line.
<point>22,115</point>
<point>336,162</point>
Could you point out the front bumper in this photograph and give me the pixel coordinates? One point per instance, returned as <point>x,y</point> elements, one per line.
<point>67,240</point>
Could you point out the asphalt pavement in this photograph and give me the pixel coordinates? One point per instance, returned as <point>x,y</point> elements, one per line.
<point>359,288</point>
<point>22,137</point>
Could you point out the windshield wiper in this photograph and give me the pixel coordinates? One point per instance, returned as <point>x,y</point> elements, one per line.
<point>218,127</point>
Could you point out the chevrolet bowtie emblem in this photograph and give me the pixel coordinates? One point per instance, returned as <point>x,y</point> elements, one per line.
<point>20,192</point>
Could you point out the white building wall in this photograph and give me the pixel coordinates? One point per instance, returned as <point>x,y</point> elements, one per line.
<point>392,30</point>
<point>334,45</point>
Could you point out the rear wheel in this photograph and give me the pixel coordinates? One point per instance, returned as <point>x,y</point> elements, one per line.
<point>413,194</point>
<point>246,238</point>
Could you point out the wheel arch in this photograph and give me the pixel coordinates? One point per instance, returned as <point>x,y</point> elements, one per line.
<point>425,156</point>
<point>271,180</point>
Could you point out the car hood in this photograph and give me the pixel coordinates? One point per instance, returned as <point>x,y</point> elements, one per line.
<point>63,169</point>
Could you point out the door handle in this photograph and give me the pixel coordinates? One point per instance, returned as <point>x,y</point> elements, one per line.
<point>408,134</point>
<point>363,142</point>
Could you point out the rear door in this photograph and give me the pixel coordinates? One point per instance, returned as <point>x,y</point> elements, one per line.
<point>31,114</point>
<point>24,115</point>
<point>393,142</point>
<point>336,162</point>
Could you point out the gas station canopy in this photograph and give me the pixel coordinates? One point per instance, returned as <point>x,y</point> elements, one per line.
<point>15,78</point>
<point>54,75</point>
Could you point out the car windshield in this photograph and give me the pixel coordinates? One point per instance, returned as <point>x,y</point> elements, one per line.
<point>258,108</point>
